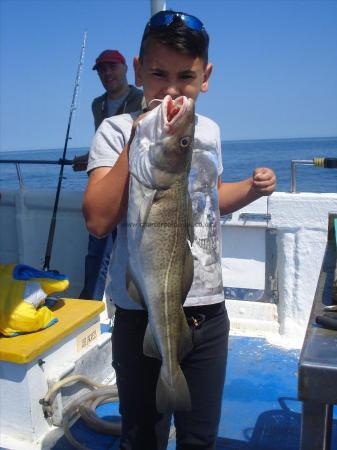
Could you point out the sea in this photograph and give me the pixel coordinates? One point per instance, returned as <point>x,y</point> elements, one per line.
<point>239,160</point>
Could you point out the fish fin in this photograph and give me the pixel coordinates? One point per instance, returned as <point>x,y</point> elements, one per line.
<point>175,396</point>
<point>145,207</point>
<point>150,347</point>
<point>185,342</point>
<point>133,291</point>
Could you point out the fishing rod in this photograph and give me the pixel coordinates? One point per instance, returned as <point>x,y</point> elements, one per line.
<point>72,109</point>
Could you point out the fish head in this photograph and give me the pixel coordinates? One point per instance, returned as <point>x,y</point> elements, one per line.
<point>171,151</point>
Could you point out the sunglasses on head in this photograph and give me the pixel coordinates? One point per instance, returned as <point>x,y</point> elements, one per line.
<point>166,18</point>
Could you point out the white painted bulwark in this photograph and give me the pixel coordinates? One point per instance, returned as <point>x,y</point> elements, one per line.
<point>299,222</point>
<point>24,225</point>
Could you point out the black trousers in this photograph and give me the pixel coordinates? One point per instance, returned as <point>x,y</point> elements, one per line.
<point>96,266</point>
<point>204,368</point>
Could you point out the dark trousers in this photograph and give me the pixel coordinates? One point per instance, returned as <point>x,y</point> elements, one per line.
<point>204,368</point>
<point>96,266</point>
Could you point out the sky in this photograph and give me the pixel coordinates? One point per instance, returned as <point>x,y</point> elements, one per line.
<point>274,75</point>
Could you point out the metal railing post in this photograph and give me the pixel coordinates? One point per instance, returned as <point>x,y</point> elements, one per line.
<point>294,163</point>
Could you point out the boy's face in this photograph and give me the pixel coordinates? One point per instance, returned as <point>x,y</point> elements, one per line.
<point>165,71</point>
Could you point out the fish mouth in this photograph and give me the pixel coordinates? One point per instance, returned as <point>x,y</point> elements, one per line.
<point>174,110</point>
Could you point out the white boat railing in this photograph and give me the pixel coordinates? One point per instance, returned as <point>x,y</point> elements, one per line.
<point>17,162</point>
<point>329,163</point>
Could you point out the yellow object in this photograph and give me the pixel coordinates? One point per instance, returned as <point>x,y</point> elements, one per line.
<point>319,162</point>
<point>22,294</point>
<point>71,314</point>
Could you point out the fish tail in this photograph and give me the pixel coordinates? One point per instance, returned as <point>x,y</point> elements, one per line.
<point>173,396</point>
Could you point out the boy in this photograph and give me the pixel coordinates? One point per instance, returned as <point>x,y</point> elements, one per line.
<point>173,60</point>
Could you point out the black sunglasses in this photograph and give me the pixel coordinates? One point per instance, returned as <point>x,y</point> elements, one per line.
<point>166,18</point>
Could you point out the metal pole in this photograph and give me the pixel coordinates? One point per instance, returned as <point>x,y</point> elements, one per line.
<point>17,162</point>
<point>293,177</point>
<point>65,162</point>
<point>157,5</point>
<point>72,108</point>
<point>294,163</point>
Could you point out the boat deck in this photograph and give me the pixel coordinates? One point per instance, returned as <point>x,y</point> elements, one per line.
<point>260,408</point>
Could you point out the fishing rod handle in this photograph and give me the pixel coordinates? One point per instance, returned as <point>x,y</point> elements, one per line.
<point>327,163</point>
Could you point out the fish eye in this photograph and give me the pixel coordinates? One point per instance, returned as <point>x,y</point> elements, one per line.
<point>185,141</point>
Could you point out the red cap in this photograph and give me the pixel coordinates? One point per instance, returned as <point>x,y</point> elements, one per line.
<point>109,56</point>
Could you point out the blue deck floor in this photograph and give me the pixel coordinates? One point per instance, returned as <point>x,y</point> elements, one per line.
<point>259,412</point>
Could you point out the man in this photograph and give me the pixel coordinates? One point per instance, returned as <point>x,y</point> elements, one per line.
<point>119,98</point>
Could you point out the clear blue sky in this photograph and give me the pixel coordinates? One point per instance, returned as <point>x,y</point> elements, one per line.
<point>275,66</point>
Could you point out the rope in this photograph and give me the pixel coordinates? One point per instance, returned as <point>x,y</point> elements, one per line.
<point>84,407</point>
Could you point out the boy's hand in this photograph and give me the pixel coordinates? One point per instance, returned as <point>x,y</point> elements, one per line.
<point>264,181</point>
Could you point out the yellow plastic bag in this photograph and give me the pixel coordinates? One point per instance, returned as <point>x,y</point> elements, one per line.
<point>23,291</point>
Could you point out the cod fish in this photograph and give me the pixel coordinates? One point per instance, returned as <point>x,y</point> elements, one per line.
<point>160,235</point>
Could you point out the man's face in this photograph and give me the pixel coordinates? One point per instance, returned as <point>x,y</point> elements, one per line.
<point>113,77</point>
<point>167,72</point>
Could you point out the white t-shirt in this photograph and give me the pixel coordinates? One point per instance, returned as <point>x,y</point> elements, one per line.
<point>109,141</point>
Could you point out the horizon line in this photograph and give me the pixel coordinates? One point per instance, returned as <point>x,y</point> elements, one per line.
<point>223,140</point>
